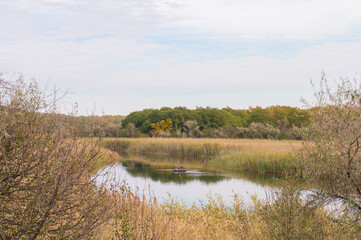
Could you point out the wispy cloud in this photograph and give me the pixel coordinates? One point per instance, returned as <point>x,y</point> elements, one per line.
<point>169,52</point>
<point>262,18</point>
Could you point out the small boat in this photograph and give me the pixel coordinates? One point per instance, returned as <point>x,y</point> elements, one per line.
<point>179,170</point>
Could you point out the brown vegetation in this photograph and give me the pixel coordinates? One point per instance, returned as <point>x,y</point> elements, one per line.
<point>332,152</point>
<point>282,216</point>
<point>247,155</point>
<point>48,176</point>
<point>46,190</point>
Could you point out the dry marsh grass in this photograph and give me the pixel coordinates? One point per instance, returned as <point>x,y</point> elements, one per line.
<point>243,154</point>
<point>105,157</point>
<point>286,218</point>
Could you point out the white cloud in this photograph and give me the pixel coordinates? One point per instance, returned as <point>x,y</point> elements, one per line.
<point>264,18</point>
<point>100,49</point>
<point>220,18</point>
<point>74,64</point>
<point>60,19</point>
<point>107,61</point>
<point>253,71</point>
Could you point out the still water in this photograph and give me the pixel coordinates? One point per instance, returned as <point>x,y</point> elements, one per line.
<point>193,186</point>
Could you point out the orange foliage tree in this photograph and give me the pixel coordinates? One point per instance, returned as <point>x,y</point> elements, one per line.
<point>161,127</point>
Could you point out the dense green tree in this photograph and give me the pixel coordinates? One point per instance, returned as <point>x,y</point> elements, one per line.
<point>259,115</point>
<point>226,121</point>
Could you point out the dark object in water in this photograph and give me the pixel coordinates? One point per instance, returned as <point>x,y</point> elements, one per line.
<point>179,170</point>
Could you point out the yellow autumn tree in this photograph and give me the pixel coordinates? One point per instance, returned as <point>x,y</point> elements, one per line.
<point>160,127</point>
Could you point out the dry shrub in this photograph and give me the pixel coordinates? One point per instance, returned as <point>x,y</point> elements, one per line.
<point>285,216</point>
<point>46,191</point>
<point>331,156</point>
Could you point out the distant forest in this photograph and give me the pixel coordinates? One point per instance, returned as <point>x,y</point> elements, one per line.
<point>275,122</point>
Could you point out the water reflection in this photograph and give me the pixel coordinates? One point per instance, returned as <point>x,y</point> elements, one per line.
<point>165,162</point>
<point>154,176</point>
<point>165,175</point>
<point>189,187</point>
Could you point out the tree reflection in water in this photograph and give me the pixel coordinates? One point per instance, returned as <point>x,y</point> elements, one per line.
<point>165,175</point>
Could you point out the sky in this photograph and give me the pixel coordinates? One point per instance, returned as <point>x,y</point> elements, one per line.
<point>120,56</point>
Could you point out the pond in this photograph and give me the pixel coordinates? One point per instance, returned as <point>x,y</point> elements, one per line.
<point>157,179</point>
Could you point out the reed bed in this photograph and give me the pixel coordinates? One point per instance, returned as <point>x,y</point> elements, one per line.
<point>283,215</point>
<point>266,162</point>
<point>285,218</point>
<point>244,154</point>
<point>171,147</point>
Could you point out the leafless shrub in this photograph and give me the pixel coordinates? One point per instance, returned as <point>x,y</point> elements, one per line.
<point>331,154</point>
<point>46,191</point>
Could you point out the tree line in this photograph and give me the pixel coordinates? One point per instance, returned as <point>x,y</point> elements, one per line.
<point>275,122</point>
<point>94,126</point>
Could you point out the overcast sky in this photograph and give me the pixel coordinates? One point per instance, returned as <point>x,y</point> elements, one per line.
<point>127,55</point>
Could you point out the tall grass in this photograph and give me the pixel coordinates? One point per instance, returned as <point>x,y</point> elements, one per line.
<point>282,216</point>
<point>266,162</point>
<point>285,217</point>
<point>244,154</point>
<point>171,147</point>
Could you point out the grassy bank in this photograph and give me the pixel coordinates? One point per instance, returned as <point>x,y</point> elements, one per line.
<point>243,154</point>
<point>285,218</point>
<point>263,162</point>
<point>106,157</point>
